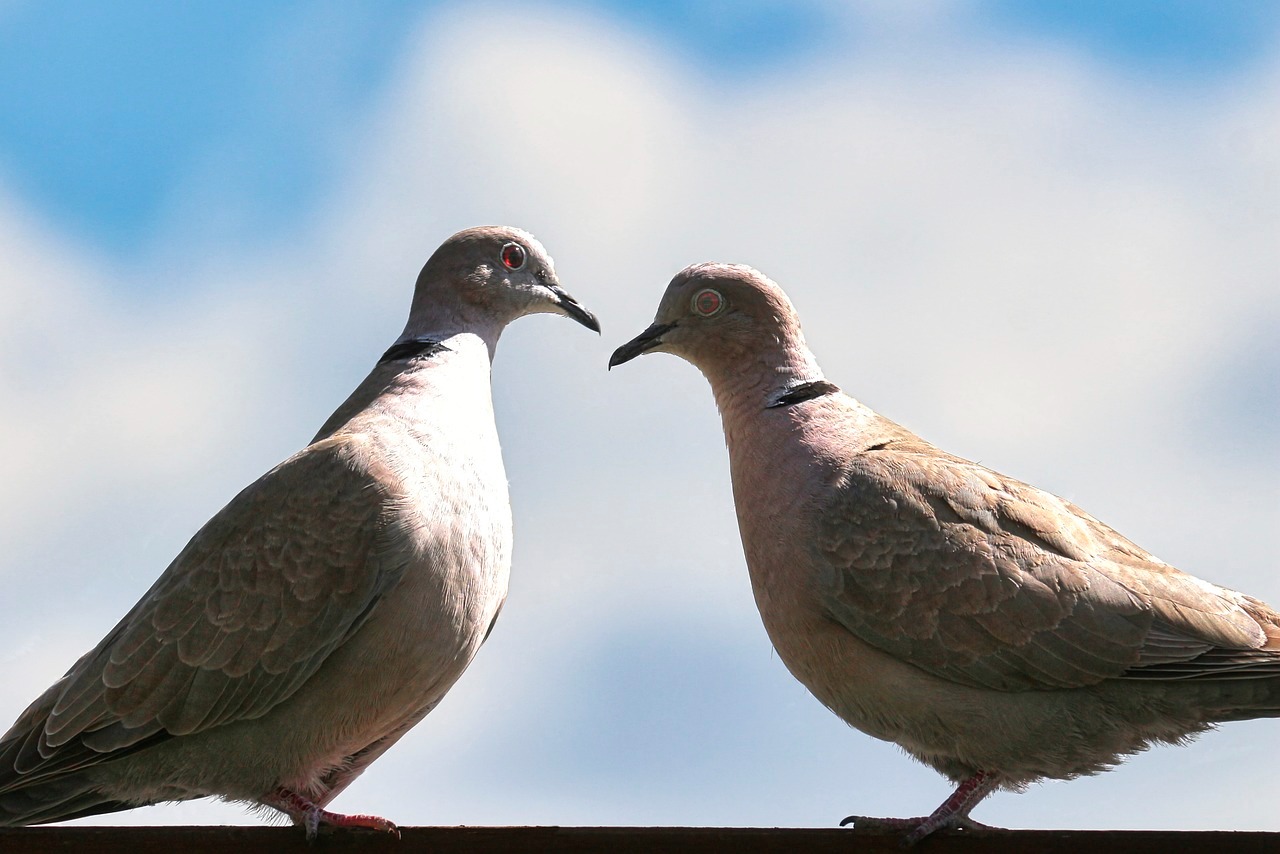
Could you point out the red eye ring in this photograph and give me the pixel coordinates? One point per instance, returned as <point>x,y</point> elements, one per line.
<point>513,256</point>
<point>708,302</point>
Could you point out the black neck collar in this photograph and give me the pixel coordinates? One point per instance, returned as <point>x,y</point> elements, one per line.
<point>802,392</point>
<point>414,348</point>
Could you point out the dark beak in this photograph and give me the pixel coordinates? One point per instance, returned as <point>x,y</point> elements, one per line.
<point>573,308</point>
<point>642,343</point>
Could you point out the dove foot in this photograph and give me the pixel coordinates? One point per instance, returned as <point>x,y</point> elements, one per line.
<point>311,816</point>
<point>953,814</point>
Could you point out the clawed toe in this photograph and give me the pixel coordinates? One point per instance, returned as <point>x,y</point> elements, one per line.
<point>866,822</point>
<point>952,814</point>
<point>369,822</point>
<point>914,829</point>
<point>315,817</point>
<point>311,816</point>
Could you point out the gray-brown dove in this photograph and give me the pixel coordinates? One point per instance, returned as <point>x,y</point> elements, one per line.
<point>994,631</point>
<point>330,605</point>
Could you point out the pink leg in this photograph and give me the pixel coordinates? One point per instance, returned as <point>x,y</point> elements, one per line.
<point>311,816</point>
<point>954,812</point>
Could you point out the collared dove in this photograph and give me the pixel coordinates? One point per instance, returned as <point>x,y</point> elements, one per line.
<point>330,605</point>
<point>996,632</point>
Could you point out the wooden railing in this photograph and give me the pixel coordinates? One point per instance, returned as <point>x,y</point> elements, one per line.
<point>623,840</point>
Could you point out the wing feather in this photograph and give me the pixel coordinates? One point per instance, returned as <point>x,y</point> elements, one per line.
<point>990,582</point>
<point>245,614</point>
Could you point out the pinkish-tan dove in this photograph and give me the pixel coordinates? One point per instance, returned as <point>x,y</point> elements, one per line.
<point>330,605</point>
<point>996,632</point>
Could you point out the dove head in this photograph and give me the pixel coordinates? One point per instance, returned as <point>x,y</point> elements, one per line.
<point>481,279</point>
<point>728,320</point>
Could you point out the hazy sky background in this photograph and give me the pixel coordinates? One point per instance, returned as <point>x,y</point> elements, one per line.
<point>1044,235</point>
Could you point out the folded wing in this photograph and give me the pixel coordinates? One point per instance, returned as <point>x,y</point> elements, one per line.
<point>244,615</point>
<point>990,582</point>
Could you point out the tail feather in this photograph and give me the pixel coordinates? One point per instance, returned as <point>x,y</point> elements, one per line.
<point>56,800</point>
<point>1243,699</point>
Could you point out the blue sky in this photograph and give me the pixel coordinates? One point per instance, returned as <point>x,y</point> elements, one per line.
<point>1041,234</point>
<point>108,107</point>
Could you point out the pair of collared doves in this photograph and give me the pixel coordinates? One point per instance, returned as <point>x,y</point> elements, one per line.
<point>330,605</point>
<point>996,632</point>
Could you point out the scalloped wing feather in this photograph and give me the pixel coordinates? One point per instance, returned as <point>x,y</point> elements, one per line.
<point>990,582</point>
<point>262,594</point>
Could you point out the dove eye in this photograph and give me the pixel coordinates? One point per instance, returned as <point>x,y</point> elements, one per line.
<point>513,256</point>
<point>708,303</point>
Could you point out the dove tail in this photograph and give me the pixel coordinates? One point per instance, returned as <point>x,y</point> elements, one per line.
<point>1247,699</point>
<point>61,799</point>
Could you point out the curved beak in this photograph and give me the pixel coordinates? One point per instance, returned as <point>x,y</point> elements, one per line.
<point>572,308</point>
<point>642,343</point>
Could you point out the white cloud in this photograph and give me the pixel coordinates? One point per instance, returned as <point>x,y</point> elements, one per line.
<point>1022,256</point>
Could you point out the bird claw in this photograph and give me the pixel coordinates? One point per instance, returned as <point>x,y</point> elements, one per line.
<point>914,829</point>
<point>316,816</point>
<point>311,816</point>
<point>311,823</point>
<point>952,814</point>
<point>866,822</point>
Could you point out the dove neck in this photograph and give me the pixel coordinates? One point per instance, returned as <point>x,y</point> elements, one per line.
<point>443,326</point>
<point>763,378</point>
<point>414,373</point>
